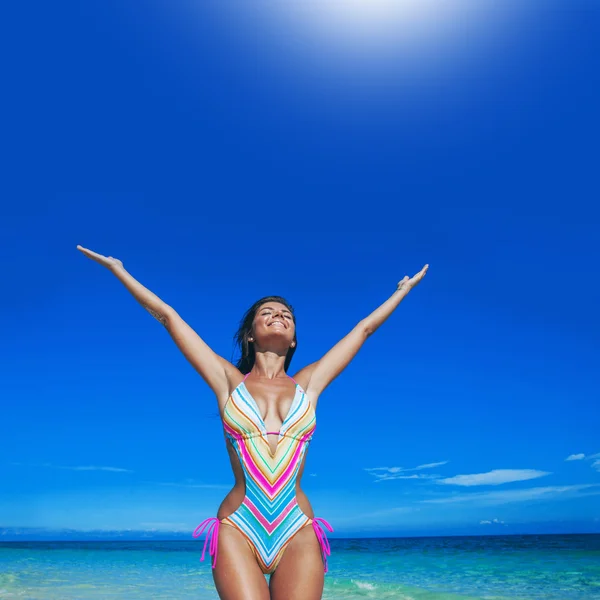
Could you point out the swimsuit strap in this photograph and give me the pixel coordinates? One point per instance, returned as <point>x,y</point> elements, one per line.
<point>319,526</point>
<point>213,534</point>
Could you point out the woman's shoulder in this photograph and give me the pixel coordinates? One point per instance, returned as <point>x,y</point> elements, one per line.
<point>302,377</point>
<point>234,377</point>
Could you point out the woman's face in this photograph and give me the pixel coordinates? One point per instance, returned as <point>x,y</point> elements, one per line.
<point>274,325</point>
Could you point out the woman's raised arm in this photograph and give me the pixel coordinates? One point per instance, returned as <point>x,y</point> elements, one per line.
<point>215,370</point>
<point>320,374</point>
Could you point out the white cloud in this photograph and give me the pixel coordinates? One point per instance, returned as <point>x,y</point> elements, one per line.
<point>492,522</point>
<point>206,486</point>
<point>88,468</point>
<point>575,457</point>
<point>508,496</point>
<point>386,477</point>
<point>389,473</point>
<point>388,469</point>
<point>404,469</point>
<point>595,458</point>
<point>93,468</point>
<point>431,465</point>
<point>495,477</point>
<point>596,461</point>
<point>76,468</point>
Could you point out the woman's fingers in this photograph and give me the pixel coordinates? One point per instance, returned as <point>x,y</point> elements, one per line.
<point>85,250</point>
<point>419,276</point>
<point>422,272</point>
<point>91,254</point>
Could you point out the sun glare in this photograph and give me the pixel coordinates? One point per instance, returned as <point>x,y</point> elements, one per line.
<point>355,19</point>
<point>369,27</point>
<point>369,41</point>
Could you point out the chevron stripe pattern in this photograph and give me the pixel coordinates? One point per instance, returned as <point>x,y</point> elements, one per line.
<point>269,515</point>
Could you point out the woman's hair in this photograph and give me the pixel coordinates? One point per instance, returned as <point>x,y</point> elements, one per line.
<point>246,360</point>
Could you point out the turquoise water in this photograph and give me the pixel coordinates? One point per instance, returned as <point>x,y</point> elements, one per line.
<point>561,567</point>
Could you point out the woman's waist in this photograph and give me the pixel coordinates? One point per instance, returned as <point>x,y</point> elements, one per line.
<point>240,489</point>
<point>240,495</point>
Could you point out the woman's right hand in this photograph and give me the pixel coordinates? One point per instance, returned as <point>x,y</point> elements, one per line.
<point>106,261</point>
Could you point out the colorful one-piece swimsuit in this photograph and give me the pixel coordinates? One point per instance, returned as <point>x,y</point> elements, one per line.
<point>269,515</point>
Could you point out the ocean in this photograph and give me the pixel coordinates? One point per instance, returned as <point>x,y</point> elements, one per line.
<point>548,567</point>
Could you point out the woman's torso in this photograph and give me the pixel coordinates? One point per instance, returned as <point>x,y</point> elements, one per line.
<point>257,406</point>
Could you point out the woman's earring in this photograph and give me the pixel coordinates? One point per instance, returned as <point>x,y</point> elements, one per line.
<point>250,339</point>
<point>293,344</point>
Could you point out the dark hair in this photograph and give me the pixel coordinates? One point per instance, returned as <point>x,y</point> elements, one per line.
<point>246,360</point>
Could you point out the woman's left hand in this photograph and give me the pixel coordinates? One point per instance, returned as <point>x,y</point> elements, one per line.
<point>408,283</point>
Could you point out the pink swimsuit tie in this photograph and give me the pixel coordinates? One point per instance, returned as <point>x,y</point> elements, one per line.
<point>319,527</point>
<point>213,534</point>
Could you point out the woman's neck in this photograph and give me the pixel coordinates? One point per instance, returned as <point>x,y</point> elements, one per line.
<point>268,365</point>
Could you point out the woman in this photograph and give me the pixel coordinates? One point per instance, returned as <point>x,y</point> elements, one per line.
<point>268,418</point>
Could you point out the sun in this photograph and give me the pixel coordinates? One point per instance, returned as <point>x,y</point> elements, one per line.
<point>383,14</point>
<point>374,38</point>
<point>381,10</point>
<point>371,25</point>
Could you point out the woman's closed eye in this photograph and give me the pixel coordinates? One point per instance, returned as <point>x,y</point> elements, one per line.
<point>269,312</point>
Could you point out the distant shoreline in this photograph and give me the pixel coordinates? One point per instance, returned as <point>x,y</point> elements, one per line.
<point>181,537</point>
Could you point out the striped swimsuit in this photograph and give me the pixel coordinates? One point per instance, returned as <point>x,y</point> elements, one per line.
<point>269,515</point>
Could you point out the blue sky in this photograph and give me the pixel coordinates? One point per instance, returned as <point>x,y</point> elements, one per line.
<point>225,155</point>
